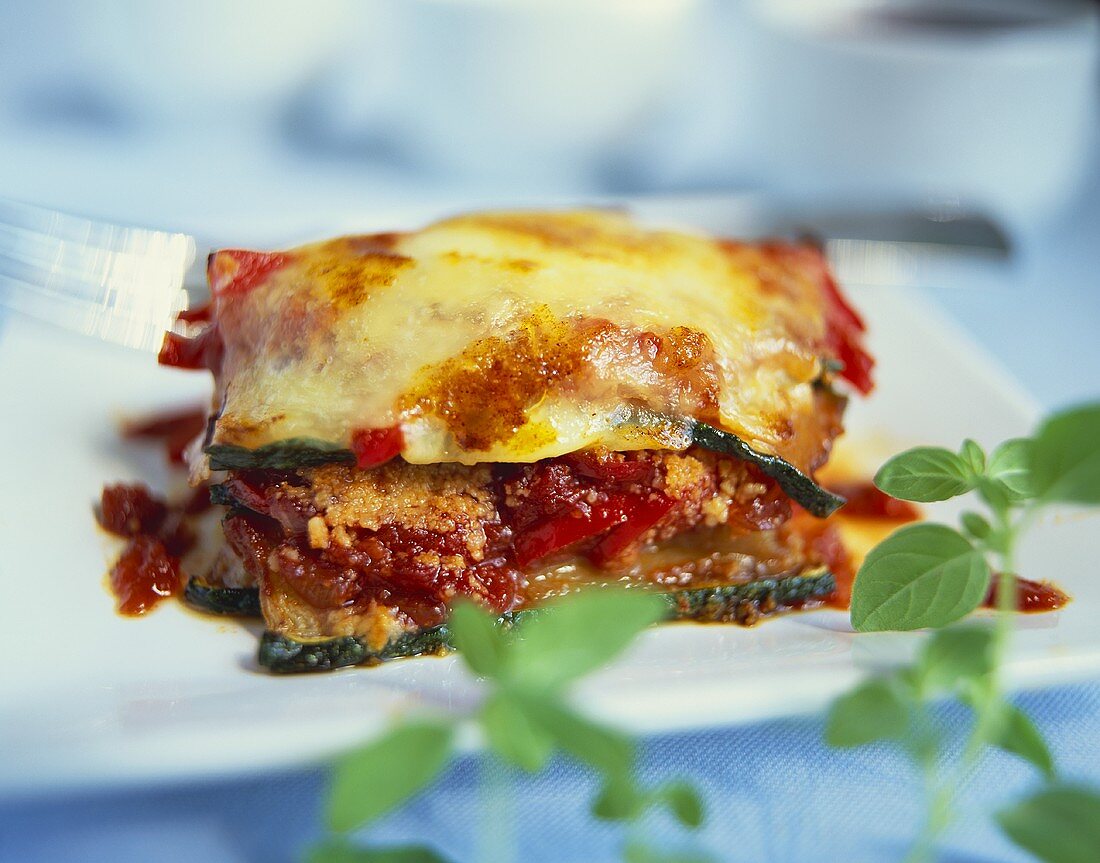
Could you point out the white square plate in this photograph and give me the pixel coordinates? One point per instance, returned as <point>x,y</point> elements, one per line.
<point>91,698</point>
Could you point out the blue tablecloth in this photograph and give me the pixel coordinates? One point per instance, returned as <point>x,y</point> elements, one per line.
<point>774,792</point>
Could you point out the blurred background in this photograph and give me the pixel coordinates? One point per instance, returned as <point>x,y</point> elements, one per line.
<point>270,122</point>
<point>201,114</point>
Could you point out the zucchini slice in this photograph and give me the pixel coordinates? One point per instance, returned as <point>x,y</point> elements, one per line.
<point>686,432</point>
<point>285,656</point>
<point>220,496</point>
<point>746,603</point>
<point>799,487</point>
<point>733,603</point>
<point>309,452</point>
<point>232,601</point>
<point>281,455</point>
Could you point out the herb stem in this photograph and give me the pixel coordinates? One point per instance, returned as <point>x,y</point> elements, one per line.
<point>938,817</point>
<point>987,701</point>
<point>497,836</point>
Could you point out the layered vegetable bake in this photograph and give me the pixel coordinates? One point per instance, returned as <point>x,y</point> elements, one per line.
<point>507,407</point>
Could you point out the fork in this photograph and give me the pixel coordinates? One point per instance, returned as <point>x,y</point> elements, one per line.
<point>126,285</point>
<point>120,284</point>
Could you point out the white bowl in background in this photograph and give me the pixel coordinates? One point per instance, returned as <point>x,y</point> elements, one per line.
<point>992,102</point>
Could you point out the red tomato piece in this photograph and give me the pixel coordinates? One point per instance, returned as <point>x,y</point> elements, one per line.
<point>644,513</point>
<point>845,314</point>
<point>204,351</point>
<point>864,500</point>
<point>845,330</point>
<point>627,516</point>
<point>563,530</point>
<point>857,362</point>
<point>373,447</point>
<point>613,467</point>
<point>198,315</point>
<point>238,271</point>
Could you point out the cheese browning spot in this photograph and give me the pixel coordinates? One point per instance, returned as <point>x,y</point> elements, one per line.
<point>587,234</point>
<point>485,394</point>
<point>350,279</point>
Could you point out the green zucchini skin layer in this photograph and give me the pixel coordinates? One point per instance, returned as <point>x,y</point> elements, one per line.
<point>281,455</point>
<point>285,656</point>
<point>798,486</point>
<point>308,452</point>
<point>735,603</point>
<point>231,601</point>
<point>220,496</point>
<point>749,602</point>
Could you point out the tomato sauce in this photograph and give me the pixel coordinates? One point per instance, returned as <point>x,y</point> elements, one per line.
<point>149,569</point>
<point>599,506</point>
<point>864,503</point>
<point>865,500</point>
<point>174,429</point>
<point>1031,596</point>
<point>144,575</point>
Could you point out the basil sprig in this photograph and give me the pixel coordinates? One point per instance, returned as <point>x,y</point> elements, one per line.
<point>931,576</point>
<point>524,719</point>
<point>922,576</point>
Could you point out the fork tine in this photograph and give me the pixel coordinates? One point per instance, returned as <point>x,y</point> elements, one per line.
<point>175,250</point>
<point>105,279</point>
<point>83,231</point>
<point>112,282</point>
<point>113,324</point>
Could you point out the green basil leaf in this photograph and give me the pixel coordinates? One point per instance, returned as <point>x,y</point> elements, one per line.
<point>975,525</point>
<point>923,741</point>
<point>606,750</point>
<point>637,852</point>
<point>619,799</point>
<point>579,634</point>
<point>1058,825</point>
<point>875,710</point>
<point>957,654</point>
<point>344,852</point>
<point>370,781</point>
<point>1065,456</point>
<point>923,575</point>
<point>478,639</point>
<point>1011,465</point>
<point>512,735</point>
<point>973,456</point>
<point>925,474</point>
<point>1016,733</point>
<point>995,493</point>
<point>683,801</point>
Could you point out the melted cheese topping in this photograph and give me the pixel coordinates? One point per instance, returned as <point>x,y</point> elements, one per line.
<point>520,336</point>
